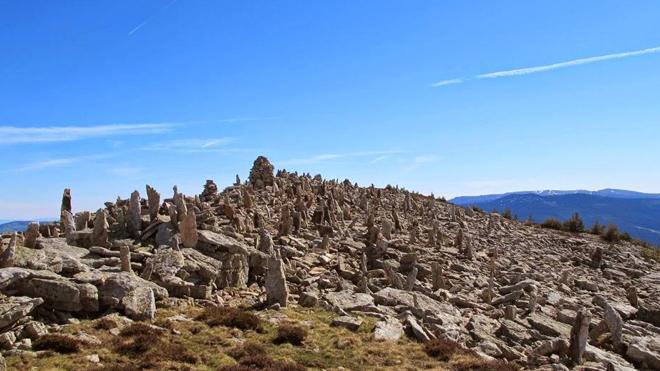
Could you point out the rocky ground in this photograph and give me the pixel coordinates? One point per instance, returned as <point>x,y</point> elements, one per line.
<point>352,277</point>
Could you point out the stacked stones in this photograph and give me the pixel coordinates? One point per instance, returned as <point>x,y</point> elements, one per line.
<point>261,174</point>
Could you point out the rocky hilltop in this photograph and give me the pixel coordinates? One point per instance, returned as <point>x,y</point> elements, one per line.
<point>415,265</point>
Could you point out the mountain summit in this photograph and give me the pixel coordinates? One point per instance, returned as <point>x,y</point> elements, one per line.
<point>287,272</point>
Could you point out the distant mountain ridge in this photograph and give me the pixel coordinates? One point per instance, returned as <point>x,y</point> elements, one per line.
<point>18,225</point>
<point>607,192</point>
<point>634,212</point>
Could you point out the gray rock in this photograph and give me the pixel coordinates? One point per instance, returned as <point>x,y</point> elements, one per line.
<point>9,276</point>
<point>388,329</point>
<point>140,304</point>
<point>100,232</point>
<point>645,351</point>
<point>417,330</point>
<point>579,336</point>
<point>14,308</point>
<point>134,217</point>
<point>188,229</point>
<point>391,296</point>
<point>220,242</point>
<point>508,298</point>
<point>34,330</point>
<point>548,326</point>
<point>351,323</point>
<point>60,294</point>
<point>31,235</point>
<point>276,287</point>
<point>347,300</point>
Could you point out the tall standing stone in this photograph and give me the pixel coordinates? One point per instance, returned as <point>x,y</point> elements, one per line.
<point>265,242</point>
<point>437,276</point>
<point>188,229</point>
<point>386,227</point>
<point>66,205</point>
<point>277,290</point>
<point>125,258</point>
<point>31,235</point>
<point>579,336</point>
<point>153,200</point>
<point>631,294</point>
<point>8,254</point>
<point>69,226</point>
<point>615,324</point>
<point>100,232</point>
<point>134,215</point>
<point>411,279</point>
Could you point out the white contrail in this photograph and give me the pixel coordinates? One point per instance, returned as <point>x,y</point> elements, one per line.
<point>446,82</point>
<point>136,28</point>
<point>550,67</point>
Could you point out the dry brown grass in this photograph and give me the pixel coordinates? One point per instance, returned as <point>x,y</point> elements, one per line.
<point>135,345</point>
<point>105,323</point>
<point>441,349</point>
<point>58,343</point>
<point>650,253</point>
<point>139,328</point>
<point>263,362</point>
<point>324,347</point>
<point>479,364</point>
<point>230,317</point>
<point>250,348</point>
<point>289,333</point>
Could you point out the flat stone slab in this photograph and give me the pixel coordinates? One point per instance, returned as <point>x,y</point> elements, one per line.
<point>351,323</point>
<point>348,300</point>
<point>391,296</point>
<point>548,326</point>
<point>389,329</point>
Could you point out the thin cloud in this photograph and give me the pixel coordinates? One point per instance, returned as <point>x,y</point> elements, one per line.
<point>125,171</point>
<point>58,162</point>
<point>335,156</point>
<point>149,18</point>
<point>14,135</point>
<point>550,67</point>
<point>425,159</point>
<point>190,145</point>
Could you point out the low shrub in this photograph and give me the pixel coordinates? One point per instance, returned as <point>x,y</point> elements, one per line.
<point>650,252</point>
<point>612,234</point>
<point>552,223</point>
<point>263,362</point>
<point>597,229</point>
<point>507,214</point>
<point>442,349</point>
<point>58,343</point>
<point>135,345</point>
<point>288,333</point>
<point>231,317</point>
<point>574,224</point>
<point>480,364</point>
<point>139,328</point>
<point>249,348</point>
<point>173,352</point>
<point>105,323</point>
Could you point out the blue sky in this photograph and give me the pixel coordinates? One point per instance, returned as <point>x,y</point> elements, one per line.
<point>107,96</point>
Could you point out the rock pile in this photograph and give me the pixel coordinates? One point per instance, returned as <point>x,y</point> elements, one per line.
<point>540,298</point>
